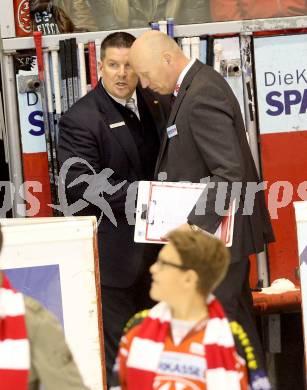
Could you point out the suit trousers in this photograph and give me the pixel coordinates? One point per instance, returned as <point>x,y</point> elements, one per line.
<point>119,305</point>
<point>235,295</point>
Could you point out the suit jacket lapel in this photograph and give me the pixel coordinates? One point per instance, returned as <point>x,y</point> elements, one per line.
<point>182,91</point>
<point>154,108</point>
<point>121,132</point>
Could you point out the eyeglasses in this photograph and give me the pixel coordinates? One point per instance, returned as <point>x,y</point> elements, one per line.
<point>161,263</point>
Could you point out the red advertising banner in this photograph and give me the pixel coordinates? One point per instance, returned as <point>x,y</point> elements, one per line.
<point>282,107</point>
<point>22,18</point>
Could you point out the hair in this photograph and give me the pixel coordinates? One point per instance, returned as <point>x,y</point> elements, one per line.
<point>203,253</point>
<point>117,39</point>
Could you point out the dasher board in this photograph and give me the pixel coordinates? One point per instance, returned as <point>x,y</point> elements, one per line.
<point>55,261</point>
<point>164,206</point>
<point>301,229</point>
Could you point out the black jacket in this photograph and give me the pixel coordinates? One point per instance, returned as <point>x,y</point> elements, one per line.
<point>95,129</point>
<point>212,143</point>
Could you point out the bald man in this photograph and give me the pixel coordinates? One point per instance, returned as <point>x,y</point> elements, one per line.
<point>205,138</point>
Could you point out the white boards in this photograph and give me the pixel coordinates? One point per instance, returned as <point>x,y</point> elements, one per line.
<point>55,260</point>
<point>301,228</point>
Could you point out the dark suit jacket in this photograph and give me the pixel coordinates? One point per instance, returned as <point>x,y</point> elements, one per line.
<point>87,131</point>
<point>212,142</point>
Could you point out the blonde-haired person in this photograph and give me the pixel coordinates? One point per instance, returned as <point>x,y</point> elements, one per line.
<point>33,350</point>
<point>185,341</point>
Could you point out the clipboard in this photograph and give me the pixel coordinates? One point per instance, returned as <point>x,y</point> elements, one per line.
<point>164,206</point>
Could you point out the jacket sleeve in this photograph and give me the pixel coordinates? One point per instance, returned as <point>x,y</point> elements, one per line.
<point>253,375</point>
<point>52,363</point>
<point>211,118</point>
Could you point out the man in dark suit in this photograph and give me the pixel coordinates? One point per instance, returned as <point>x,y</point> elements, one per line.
<point>206,139</point>
<point>116,127</point>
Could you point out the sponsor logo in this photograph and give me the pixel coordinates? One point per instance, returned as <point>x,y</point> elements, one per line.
<point>182,365</point>
<point>23,16</point>
<point>290,100</point>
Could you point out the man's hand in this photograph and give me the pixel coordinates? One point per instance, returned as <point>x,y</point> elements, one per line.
<point>187,227</point>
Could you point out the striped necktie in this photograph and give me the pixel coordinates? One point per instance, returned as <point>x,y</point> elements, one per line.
<point>130,104</point>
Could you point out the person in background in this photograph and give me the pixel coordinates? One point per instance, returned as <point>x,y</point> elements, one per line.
<point>49,18</point>
<point>205,141</point>
<point>118,14</point>
<point>222,10</point>
<point>115,130</point>
<point>33,351</point>
<point>80,14</point>
<point>185,341</point>
<point>138,13</point>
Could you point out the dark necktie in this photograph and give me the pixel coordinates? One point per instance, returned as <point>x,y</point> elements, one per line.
<point>173,98</point>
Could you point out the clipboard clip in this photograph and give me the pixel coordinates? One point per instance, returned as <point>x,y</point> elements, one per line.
<point>144,211</point>
<point>151,212</point>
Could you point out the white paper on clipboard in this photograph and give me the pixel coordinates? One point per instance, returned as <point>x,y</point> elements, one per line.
<point>164,206</point>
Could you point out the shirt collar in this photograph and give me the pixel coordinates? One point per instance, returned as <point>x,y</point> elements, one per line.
<point>182,75</point>
<point>118,100</point>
